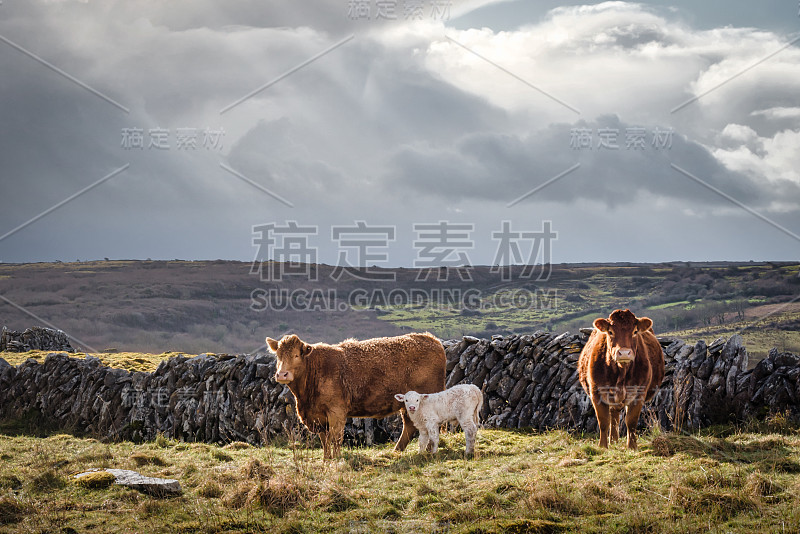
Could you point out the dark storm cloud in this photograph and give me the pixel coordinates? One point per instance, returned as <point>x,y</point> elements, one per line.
<point>503,167</point>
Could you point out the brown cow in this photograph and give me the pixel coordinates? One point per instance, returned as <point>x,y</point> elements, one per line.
<point>622,365</point>
<point>357,379</point>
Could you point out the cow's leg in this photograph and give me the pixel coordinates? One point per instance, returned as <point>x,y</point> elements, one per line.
<point>470,431</point>
<point>614,420</point>
<point>408,432</point>
<point>336,423</point>
<point>603,419</point>
<point>631,420</point>
<point>326,446</point>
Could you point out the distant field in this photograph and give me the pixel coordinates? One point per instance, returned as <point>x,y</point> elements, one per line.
<point>721,480</point>
<point>682,303</point>
<point>765,327</point>
<point>722,301</point>
<point>220,307</point>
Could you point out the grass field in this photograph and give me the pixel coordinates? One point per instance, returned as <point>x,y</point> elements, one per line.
<point>720,480</point>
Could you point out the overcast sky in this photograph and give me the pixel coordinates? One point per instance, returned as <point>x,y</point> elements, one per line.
<point>643,132</point>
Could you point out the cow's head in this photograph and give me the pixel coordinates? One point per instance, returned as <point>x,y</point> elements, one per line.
<point>291,353</point>
<point>412,400</point>
<point>621,329</point>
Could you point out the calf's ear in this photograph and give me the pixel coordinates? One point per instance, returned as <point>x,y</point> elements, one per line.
<point>306,349</point>
<point>272,344</point>
<point>400,397</point>
<point>601,324</point>
<point>644,323</point>
<point>423,397</point>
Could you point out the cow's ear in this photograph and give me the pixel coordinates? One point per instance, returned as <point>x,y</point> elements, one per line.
<point>306,349</point>
<point>644,324</point>
<point>423,397</point>
<point>400,397</point>
<point>601,324</point>
<point>272,344</point>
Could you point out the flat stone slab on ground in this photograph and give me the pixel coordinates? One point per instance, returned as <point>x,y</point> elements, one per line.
<point>158,487</point>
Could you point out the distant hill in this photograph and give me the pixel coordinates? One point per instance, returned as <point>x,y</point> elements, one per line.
<point>220,306</point>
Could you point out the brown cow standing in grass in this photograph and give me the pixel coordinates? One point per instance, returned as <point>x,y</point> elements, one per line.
<point>357,379</point>
<point>622,365</point>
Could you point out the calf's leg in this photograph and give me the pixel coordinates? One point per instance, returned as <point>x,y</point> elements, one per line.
<point>408,432</point>
<point>470,431</point>
<point>433,432</point>
<point>424,440</point>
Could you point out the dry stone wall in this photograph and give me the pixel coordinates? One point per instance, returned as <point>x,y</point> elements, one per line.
<point>36,338</point>
<point>532,381</point>
<point>528,381</point>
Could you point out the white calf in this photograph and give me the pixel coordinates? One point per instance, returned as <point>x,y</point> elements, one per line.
<point>460,403</point>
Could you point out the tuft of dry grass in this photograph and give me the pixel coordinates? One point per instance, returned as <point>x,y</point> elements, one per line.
<point>719,505</point>
<point>11,482</point>
<point>221,455</point>
<point>275,495</point>
<point>257,470</point>
<point>236,497</point>
<point>760,485</point>
<point>13,510</point>
<point>162,441</point>
<point>143,458</point>
<point>210,490</point>
<point>336,498</point>
<point>669,444</point>
<point>48,480</point>
<point>662,446</point>
<point>781,423</point>
<point>553,498</point>
<point>237,446</point>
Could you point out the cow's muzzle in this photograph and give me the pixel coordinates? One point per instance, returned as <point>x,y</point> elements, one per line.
<point>624,356</point>
<point>284,377</point>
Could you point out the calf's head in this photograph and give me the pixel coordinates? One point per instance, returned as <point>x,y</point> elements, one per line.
<point>412,400</point>
<point>291,353</point>
<point>621,328</point>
